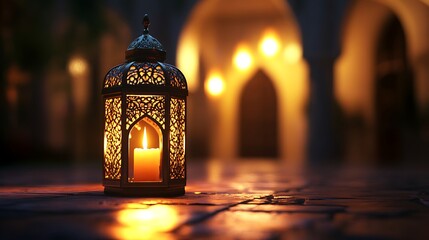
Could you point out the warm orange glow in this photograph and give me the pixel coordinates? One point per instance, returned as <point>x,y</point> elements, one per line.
<point>292,53</point>
<point>269,44</point>
<point>187,59</point>
<point>426,2</point>
<point>144,140</point>
<point>236,58</point>
<point>137,222</point>
<point>214,170</point>
<point>79,70</point>
<point>78,66</point>
<point>214,84</point>
<point>15,77</point>
<point>242,58</point>
<point>105,142</point>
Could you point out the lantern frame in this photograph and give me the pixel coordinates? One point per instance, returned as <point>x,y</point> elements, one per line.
<point>144,87</point>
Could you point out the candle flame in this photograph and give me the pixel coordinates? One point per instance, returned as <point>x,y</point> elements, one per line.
<point>144,142</point>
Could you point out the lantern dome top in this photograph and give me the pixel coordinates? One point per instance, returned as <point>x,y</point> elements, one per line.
<point>144,70</point>
<point>145,47</point>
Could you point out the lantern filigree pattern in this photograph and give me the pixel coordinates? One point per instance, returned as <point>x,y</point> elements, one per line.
<point>153,106</point>
<point>112,135</point>
<point>176,78</point>
<point>145,41</point>
<point>114,77</point>
<point>145,73</point>
<point>177,139</point>
<point>144,124</point>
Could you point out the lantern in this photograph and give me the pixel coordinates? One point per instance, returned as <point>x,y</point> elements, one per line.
<point>144,123</point>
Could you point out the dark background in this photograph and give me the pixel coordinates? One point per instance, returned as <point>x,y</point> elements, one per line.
<point>39,39</point>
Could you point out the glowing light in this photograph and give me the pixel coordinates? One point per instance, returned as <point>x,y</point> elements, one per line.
<point>214,170</point>
<point>78,66</point>
<point>242,58</point>
<point>187,60</point>
<point>146,223</point>
<point>79,70</point>
<point>214,84</point>
<point>293,53</point>
<point>105,142</point>
<point>269,44</point>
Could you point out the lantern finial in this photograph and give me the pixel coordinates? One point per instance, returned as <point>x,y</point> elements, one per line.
<point>146,23</point>
<point>145,47</point>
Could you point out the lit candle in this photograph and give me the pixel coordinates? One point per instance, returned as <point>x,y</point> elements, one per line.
<point>146,162</point>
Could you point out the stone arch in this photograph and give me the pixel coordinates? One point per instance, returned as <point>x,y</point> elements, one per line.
<point>356,69</point>
<point>395,108</point>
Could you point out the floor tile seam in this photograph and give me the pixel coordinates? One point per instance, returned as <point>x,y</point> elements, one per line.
<point>205,217</point>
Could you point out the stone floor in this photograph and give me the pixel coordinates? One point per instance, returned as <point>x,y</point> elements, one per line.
<point>246,200</point>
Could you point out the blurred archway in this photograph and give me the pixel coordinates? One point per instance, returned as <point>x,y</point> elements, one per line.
<point>395,107</point>
<point>258,118</point>
<point>366,73</point>
<point>224,44</point>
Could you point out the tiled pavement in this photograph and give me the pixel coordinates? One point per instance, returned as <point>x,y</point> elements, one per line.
<point>246,200</point>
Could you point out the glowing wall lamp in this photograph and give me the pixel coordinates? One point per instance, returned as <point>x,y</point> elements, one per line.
<point>242,58</point>
<point>214,85</point>
<point>269,44</point>
<point>144,123</point>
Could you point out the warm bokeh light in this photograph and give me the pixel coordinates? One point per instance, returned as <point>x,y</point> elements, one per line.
<point>79,70</point>
<point>214,84</point>
<point>78,66</point>
<point>293,53</point>
<point>15,78</point>
<point>242,58</point>
<point>137,222</point>
<point>187,60</point>
<point>214,170</point>
<point>238,56</point>
<point>269,44</point>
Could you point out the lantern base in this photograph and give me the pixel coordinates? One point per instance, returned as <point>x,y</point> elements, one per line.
<point>145,191</point>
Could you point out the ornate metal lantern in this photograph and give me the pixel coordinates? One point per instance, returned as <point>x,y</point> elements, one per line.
<point>144,123</point>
